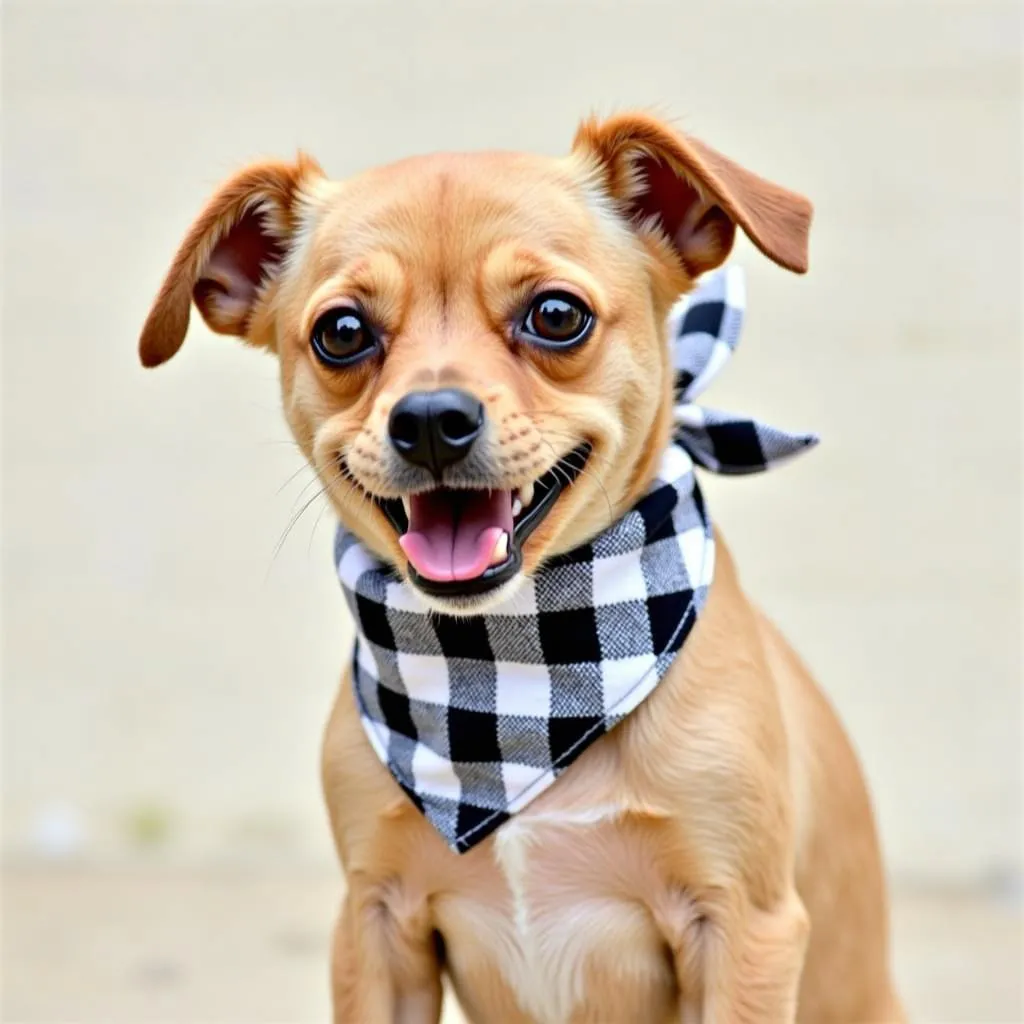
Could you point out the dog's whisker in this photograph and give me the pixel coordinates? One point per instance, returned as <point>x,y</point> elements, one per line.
<point>347,475</point>
<point>326,485</point>
<point>278,441</point>
<point>303,467</point>
<point>583,471</point>
<point>291,525</point>
<point>316,523</point>
<point>341,473</point>
<point>304,490</point>
<point>565,469</point>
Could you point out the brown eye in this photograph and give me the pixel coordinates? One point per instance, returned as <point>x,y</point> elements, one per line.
<point>342,337</point>
<point>557,320</point>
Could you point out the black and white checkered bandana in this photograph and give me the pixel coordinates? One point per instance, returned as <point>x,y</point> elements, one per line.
<point>475,717</point>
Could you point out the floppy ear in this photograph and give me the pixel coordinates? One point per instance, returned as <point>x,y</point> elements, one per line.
<point>692,194</point>
<point>230,253</point>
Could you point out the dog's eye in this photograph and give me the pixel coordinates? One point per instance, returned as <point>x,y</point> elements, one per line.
<point>557,320</point>
<point>342,337</point>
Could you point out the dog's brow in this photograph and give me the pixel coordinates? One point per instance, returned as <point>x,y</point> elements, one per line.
<point>375,278</point>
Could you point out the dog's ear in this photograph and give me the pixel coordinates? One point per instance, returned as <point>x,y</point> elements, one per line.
<point>231,251</point>
<point>692,194</point>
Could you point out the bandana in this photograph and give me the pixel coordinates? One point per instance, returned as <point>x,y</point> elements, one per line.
<point>476,716</point>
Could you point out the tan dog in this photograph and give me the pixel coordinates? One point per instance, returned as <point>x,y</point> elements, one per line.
<point>714,857</point>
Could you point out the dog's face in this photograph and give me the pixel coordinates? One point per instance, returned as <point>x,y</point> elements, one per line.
<point>472,347</point>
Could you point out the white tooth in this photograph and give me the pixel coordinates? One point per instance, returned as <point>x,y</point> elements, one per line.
<point>517,507</point>
<point>407,505</point>
<point>526,495</point>
<point>500,552</point>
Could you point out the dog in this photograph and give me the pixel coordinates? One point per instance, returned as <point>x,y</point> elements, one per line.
<point>449,329</point>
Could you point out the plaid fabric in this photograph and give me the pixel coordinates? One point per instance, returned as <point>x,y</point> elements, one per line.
<point>475,717</point>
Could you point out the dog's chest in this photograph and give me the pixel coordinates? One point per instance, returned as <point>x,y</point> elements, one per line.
<point>575,929</point>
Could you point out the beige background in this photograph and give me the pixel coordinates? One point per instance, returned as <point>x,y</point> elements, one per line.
<point>166,675</point>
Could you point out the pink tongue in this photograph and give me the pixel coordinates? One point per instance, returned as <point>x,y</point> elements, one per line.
<point>452,534</point>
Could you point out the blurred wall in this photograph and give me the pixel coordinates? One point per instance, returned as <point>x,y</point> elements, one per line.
<point>167,671</point>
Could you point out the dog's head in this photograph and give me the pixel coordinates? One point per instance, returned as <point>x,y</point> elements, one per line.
<point>472,347</point>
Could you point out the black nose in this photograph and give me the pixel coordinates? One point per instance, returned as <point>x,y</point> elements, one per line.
<point>435,429</point>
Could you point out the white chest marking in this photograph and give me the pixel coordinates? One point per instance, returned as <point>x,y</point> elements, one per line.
<point>546,969</point>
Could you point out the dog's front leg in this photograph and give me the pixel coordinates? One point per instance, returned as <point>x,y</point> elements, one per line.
<point>753,961</point>
<point>735,963</point>
<point>384,965</point>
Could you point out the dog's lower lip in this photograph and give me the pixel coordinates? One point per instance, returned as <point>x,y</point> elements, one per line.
<point>546,492</point>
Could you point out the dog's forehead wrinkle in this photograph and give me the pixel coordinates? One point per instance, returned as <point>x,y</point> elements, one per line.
<point>444,188</point>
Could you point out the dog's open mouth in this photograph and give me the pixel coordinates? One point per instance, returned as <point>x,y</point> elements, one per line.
<point>464,542</point>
